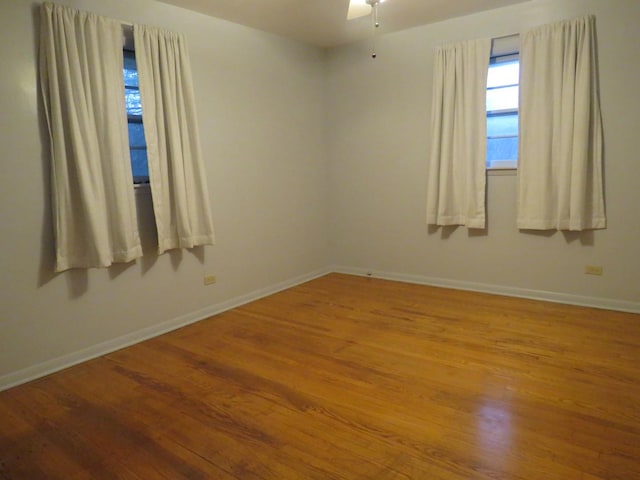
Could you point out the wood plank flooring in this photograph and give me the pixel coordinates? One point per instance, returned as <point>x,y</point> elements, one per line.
<point>346,378</point>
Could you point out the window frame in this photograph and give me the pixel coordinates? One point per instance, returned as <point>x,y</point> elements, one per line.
<point>503,50</point>
<point>129,52</point>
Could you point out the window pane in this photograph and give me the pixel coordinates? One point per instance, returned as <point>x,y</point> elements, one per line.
<point>130,77</point>
<point>139,165</point>
<point>136,135</point>
<point>498,125</point>
<point>130,70</point>
<point>501,74</point>
<point>504,98</point>
<point>132,99</point>
<point>502,149</point>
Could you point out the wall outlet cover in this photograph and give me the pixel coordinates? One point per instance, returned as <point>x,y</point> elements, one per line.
<point>593,270</point>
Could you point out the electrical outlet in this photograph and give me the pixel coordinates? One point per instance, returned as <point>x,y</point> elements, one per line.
<point>593,270</point>
<point>209,279</point>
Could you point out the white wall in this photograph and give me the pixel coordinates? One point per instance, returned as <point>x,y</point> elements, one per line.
<point>259,98</point>
<point>379,142</point>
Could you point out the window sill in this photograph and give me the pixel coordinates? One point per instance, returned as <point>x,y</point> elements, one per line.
<point>142,188</point>
<point>502,172</point>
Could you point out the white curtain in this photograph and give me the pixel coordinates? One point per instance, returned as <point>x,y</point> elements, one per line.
<point>457,178</point>
<point>560,157</point>
<point>176,169</point>
<point>94,215</point>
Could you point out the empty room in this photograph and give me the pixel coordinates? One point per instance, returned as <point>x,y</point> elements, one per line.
<point>320,239</point>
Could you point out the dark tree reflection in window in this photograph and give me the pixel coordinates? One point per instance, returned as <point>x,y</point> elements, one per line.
<point>137,142</point>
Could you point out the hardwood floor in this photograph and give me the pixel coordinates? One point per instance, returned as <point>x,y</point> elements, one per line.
<point>346,378</point>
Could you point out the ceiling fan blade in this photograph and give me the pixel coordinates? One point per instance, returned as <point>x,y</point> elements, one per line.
<point>357,9</point>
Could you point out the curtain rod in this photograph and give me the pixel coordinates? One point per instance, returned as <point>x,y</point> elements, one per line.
<point>121,22</point>
<point>498,37</point>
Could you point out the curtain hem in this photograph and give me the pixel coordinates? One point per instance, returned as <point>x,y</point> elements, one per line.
<point>64,263</point>
<point>565,225</point>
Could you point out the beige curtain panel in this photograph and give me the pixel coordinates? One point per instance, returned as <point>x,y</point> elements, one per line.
<point>176,169</point>
<point>94,215</point>
<point>81,77</point>
<point>457,178</point>
<point>560,157</point>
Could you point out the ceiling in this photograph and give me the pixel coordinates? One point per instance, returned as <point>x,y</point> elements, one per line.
<point>323,22</point>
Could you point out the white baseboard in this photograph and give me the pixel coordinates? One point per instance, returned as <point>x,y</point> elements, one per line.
<point>60,363</point>
<point>45,368</point>
<point>583,301</point>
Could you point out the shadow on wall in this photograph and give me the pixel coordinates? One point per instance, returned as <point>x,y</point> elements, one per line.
<point>448,230</point>
<point>585,237</point>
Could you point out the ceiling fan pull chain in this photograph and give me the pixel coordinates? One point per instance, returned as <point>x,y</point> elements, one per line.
<point>375,25</point>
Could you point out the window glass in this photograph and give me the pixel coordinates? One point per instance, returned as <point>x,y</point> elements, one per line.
<point>502,98</point>
<point>502,149</point>
<point>132,99</point>
<point>139,166</point>
<point>130,69</point>
<point>502,74</point>
<point>136,135</point>
<point>503,124</point>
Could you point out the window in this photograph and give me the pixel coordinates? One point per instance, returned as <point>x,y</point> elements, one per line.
<point>502,109</point>
<point>137,142</point>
